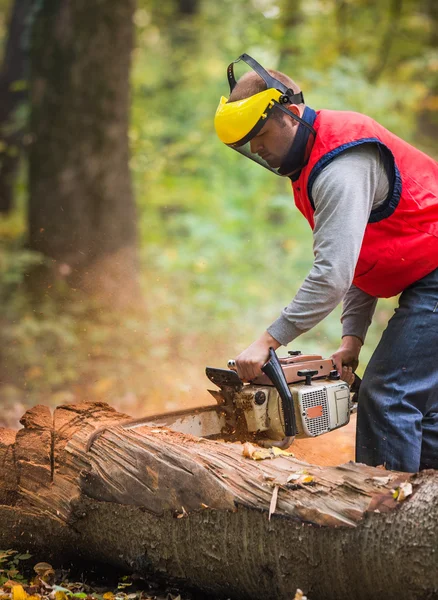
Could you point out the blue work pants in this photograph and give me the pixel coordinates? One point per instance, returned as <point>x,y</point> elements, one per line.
<point>397,420</point>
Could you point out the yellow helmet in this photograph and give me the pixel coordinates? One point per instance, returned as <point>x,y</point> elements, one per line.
<point>237,122</point>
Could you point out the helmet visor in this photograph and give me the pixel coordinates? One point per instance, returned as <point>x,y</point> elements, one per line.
<point>245,150</point>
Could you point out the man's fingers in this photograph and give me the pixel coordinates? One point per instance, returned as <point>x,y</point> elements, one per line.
<point>347,375</point>
<point>345,358</point>
<point>249,363</point>
<point>337,361</point>
<point>248,371</point>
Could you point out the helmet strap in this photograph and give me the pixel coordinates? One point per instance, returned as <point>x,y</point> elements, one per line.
<point>288,96</point>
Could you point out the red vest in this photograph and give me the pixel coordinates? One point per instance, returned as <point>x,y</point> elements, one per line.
<point>400,244</point>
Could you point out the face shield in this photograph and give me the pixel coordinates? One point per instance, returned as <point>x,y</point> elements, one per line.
<point>237,123</point>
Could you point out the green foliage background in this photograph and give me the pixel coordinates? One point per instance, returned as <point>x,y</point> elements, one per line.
<point>222,247</point>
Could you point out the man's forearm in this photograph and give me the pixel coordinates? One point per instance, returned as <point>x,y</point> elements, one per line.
<point>357,312</point>
<point>317,297</point>
<point>352,342</point>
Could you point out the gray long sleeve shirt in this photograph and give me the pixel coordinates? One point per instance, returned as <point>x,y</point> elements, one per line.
<point>344,194</point>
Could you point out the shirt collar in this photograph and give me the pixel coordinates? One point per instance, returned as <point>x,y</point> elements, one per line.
<point>296,158</point>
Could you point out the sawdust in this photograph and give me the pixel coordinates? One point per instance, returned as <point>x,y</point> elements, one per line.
<point>331,449</point>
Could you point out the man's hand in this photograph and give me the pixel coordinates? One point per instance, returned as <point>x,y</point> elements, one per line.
<point>346,358</point>
<point>250,361</point>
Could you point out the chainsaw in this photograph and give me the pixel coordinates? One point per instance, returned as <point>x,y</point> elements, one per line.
<point>297,396</point>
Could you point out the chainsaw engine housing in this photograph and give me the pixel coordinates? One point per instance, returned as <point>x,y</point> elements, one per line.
<point>319,408</point>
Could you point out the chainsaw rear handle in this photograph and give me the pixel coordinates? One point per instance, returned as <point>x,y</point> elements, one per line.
<point>272,368</point>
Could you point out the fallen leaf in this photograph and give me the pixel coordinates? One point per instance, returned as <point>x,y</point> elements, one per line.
<point>59,588</point>
<point>402,492</point>
<point>257,453</point>
<point>300,477</point>
<point>279,452</point>
<point>248,450</point>
<point>273,504</point>
<point>18,593</point>
<point>182,514</point>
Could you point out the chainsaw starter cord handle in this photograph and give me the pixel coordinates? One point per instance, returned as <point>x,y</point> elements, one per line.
<point>272,368</point>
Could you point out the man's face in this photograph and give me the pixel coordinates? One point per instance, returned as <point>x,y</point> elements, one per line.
<point>274,140</point>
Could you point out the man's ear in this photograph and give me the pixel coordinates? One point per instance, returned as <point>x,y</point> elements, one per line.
<point>295,109</point>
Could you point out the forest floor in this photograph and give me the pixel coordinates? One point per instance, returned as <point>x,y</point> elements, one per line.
<point>21,578</point>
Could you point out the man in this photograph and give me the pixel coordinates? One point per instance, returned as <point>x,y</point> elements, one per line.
<point>372,202</point>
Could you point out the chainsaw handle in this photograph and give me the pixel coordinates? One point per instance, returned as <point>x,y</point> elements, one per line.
<point>354,388</point>
<point>272,368</point>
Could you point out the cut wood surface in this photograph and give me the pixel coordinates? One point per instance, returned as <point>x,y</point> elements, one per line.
<point>150,499</point>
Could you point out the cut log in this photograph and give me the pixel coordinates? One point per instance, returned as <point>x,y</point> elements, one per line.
<point>150,499</point>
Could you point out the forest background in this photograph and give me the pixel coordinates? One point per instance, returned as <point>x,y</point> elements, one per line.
<point>219,248</point>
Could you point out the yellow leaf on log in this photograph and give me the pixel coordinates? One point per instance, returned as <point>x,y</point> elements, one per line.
<point>257,453</point>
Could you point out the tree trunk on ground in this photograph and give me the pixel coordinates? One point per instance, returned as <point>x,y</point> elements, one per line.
<point>81,211</point>
<point>151,499</point>
<point>13,94</point>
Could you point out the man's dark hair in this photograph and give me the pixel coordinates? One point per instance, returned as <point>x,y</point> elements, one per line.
<point>251,83</point>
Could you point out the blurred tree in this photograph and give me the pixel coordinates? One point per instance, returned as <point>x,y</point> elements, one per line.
<point>386,41</point>
<point>188,7</point>
<point>428,113</point>
<point>13,94</point>
<point>81,206</point>
<point>290,17</point>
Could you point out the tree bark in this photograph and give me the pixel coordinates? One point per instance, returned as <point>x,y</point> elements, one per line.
<point>150,499</point>
<point>81,211</point>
